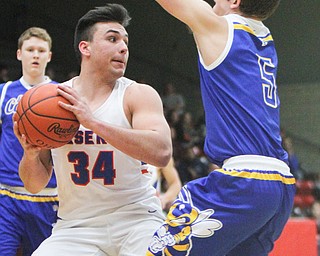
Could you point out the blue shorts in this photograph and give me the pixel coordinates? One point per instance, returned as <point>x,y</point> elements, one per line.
<point>230,212</point>
<point>25,220</point>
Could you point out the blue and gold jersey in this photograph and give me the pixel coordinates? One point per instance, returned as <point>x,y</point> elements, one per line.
<point>240,97</point>
<point>10,148</point>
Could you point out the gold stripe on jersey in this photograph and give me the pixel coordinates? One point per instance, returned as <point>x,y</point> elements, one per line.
<point>249,30</point>
<point>36,199</point>
<point>258,175</point>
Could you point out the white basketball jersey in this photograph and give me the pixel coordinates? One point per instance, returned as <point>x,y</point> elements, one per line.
<point>93,177</point>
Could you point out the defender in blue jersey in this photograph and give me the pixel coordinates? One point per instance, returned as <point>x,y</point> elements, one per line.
<point>25,219</point>
<point>241,207</point>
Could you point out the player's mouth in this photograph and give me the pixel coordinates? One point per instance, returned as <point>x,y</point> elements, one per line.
<point>119,62</point>
<point>35,64</point>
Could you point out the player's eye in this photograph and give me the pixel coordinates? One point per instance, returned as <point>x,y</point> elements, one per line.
<point>112,39</point>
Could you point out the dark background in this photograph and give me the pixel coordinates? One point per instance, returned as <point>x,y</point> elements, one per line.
<point>159,41</point>
<point>162,50</point>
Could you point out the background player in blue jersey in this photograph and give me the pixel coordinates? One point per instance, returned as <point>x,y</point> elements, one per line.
<point>242,207</point>
<point>25,219</point>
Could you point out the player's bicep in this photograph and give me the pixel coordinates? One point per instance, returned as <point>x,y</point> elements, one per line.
<point>146,109</point>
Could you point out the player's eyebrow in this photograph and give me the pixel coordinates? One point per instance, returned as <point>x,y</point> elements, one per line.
<point>117,32</point>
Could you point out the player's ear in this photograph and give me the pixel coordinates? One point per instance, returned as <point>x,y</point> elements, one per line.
<point>18,54</point>
<point>235,3</point>
<point>49,57</point>
<point>84,48</point>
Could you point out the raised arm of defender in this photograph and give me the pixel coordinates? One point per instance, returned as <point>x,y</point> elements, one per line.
<point>210,30</point>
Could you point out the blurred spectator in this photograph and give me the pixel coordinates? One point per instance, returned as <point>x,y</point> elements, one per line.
<point>173,119</point>
<point>189,132</point>
<point>201,127</point>
<point>292,158</point>
<point>167,182</point>
<point>304,198</point>
<point>4,73</point>
<point>172,100</point>
<point>51,73</point>
<point>315,211</point>
<point>190,166</point>
<point>316,192</point>
<point>188,140</point>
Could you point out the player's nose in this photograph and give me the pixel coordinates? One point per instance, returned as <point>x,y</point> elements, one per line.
<point>36,54</point>
<point>123,47</point>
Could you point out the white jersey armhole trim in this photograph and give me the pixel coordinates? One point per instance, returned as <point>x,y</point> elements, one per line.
<point>224,53</point>
<point>130,83</point>
<point>3,94</point>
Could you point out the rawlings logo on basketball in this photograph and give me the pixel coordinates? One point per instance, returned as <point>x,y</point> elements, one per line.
<point>62,132</point>
<point>40,118</point>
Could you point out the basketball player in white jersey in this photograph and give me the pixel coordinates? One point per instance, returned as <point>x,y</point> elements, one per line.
<point>107,205</point>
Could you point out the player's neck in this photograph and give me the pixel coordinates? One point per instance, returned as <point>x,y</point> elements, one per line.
<point>34,80</point>
<point>95,81</point>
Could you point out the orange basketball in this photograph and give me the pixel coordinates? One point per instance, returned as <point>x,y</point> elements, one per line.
<point>42,120</point>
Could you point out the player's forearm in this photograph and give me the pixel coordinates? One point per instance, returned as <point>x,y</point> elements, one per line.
<point>172,192</point>
<point>153,147</point>
<point>33,174</point>
<point>173,188</point>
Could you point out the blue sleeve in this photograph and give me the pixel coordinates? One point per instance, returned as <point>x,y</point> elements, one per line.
<point>1,87</point>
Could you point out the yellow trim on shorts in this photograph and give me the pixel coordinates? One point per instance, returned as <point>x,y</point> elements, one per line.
<point>258,175</point>
<point>36,199</point>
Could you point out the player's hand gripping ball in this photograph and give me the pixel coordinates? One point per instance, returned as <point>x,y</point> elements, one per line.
<point>42,120</point>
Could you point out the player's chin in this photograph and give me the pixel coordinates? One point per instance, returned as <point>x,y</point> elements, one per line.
<point>36,71</point>
<point>119,72</point>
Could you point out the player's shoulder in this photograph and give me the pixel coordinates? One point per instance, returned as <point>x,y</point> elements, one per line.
<point>125,81</point>
<point>136,90</point>
<point>4,86</point>
<point>141,89</point>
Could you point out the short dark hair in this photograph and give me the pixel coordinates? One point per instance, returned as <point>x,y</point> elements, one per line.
<point>108,13</point>
<point>261,9</point>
